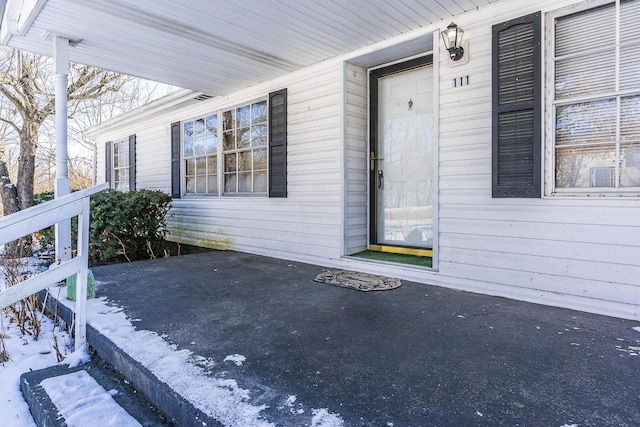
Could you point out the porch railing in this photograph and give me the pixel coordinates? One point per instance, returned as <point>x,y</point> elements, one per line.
<point>39,217</point>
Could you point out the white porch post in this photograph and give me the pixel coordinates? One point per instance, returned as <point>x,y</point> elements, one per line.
<point>62,186</point>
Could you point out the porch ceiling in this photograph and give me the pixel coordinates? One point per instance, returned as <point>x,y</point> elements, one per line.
<point>215,46</point>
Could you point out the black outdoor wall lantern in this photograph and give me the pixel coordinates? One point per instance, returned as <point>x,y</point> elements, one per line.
<point>452,37</point>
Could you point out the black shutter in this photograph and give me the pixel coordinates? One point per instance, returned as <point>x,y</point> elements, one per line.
<point>517,108</point>
<point>278,143</point>
<point>132,162</point>
<point>175,160</point>
<point>107,162</point>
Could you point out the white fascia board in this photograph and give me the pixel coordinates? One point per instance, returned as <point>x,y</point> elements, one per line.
<point>18,17</point>
<point>172,100</point>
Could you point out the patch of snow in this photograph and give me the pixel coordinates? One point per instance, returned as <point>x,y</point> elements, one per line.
<point>323,418</point>
<point>480,414</point>
<point>293,408</point>
<point>291,400</point>
<point>636,328</point>
<point>77,358</point>
<point>238,359</point>
<point>570,425</point>
<point>83,402</point>
<point>26,355</point>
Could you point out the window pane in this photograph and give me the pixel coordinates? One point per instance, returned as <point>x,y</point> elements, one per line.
<point>229,141</point>
<point>630,165</point>
<point>260,182</point>
<point>229,120</point>
<point>259,112</point>
<point>212,165</point>
<point>244,161</point>
<point>191,167</point>
<point>630,66</point>
<point>630,118</point>
<point>121,179</point>
<point>191,185</point>
<point>629,16</point>
<point>242,116</point>
<point>212,184</point>
<point>230,162</point>
<point>586,30</point>
<point>230,183</point>
<point>244,182</point>
<point>581,167</point>
<point>199,137</point>
<point>211,134</point>
<point>585,74</point>
<point>244,139</point>
<point>586,122</point>
<point>201,163</point>
<point>188,139</point>
<point>201,182</point>
<point>260,159</point>
<point>258,135</point>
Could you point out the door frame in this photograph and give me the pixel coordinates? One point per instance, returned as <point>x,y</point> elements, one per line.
<point>373,76</point>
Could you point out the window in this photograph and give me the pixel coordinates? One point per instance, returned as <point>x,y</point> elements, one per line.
<point>245,149</point>
<point>120,164</point>
<point>594,105</point>
<point>200,138</point>
<point>517,129</point>
<point>235,151</point>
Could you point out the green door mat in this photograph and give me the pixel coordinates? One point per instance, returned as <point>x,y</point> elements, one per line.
<point>422,261</point>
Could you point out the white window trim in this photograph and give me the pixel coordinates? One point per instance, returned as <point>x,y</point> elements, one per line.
<point>549,134</point>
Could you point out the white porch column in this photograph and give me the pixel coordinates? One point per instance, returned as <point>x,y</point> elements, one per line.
<point>62,186</point>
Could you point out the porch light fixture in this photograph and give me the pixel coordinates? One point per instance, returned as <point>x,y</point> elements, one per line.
<point>452,37</point>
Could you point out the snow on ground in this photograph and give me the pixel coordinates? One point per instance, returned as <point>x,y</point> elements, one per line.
<point>26,355</point>
<point>238,359</point>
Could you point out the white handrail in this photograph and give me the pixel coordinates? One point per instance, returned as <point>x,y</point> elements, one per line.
<point>39,217</point>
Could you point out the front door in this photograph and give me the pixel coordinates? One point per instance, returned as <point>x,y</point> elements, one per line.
<point>401,157</point>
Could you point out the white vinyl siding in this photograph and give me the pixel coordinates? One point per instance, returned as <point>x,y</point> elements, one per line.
<point>307,223</point>
<point>575,252</point>
<point>356,163</point>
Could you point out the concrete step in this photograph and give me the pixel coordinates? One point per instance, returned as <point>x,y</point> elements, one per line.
<point>139,391</point>
<point>122,393</point>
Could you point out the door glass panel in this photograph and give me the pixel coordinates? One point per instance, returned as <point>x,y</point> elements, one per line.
<point>404,171</point>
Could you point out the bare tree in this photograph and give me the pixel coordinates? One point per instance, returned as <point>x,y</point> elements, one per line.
<point>25,81</point>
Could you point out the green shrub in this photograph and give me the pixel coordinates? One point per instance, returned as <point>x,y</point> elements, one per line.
<point>46,237</point>
<point>127,226</point>
<point>123,226</point>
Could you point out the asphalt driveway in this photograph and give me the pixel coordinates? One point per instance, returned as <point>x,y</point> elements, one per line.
<point>418,355</point>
